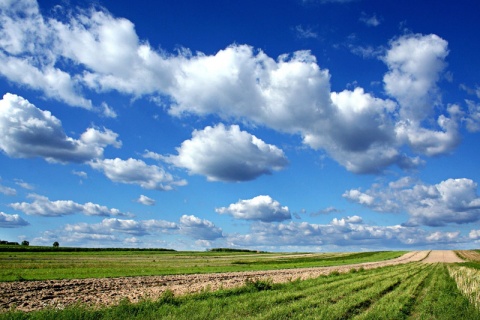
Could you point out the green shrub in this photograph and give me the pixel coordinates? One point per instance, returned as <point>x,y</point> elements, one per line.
<point>259,284</point>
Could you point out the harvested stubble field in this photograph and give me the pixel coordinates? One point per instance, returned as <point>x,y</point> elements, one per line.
<point>469,255</point>
<point>370,290</point>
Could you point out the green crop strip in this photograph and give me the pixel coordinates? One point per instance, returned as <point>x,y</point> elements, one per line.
<point>328,260</point>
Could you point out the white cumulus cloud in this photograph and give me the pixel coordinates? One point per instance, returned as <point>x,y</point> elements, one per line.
<point>133,171</point>
<point>290,93</point>
<point>113,226</point>
<point>345,232</point>
<point>27,131</point>
<point>262,208</point>
<point>145,200</point>
<point>450,201</point>
<point>358,196</point>
<point>415,63</point>
<point>42,206</point>
<point>12,221</point>
<point>227,154</point>
<point>198,228</point>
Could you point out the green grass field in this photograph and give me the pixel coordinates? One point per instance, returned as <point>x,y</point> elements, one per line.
<point>412,291</point>
<point>33,265</point>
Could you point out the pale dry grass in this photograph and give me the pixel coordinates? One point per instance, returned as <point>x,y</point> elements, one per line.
<point>469,255</point>
<point>468,282</point>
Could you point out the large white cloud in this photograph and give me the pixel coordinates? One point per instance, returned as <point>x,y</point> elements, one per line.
<point>29,57</point>
<point>12,221</point>
<point>42,206</point>
<point>227,154</point>
<point>198,228</point>
<point>52,82</point>
<point>415,63</point>
<point>133,171</point>
<point>17,37</point>
<point>262,208</point>
<point>289,94</point>
<point>27,131</point>
<point>450,201</point>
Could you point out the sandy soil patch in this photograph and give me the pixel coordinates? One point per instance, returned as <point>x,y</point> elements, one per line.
<point>35,295</point>
<point>443,256</point>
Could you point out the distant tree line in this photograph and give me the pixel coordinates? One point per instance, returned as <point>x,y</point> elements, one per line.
<point>4,242</point>
<point>6,246</point>
<point>24,243</point>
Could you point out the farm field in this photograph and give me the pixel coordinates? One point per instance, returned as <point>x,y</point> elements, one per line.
<point>18,266</point>
<point>416,291</point>
<point>395,289</point>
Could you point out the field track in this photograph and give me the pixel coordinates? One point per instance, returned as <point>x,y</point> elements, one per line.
<point>445,256</point>
<point>35,295</point>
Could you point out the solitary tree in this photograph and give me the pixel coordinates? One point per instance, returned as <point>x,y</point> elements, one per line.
<point>56,244</point>
<point>25,243</point>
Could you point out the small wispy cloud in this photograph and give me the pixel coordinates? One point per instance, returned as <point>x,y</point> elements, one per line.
<point>371,21</point>
<point>107,111</point>
<point>305,32</point>
<point>366,51</point>
<point>8,191</point>
<point>81,174</point>
<point>145,200</point>
<point>24,184</point>
<point>325,211</point>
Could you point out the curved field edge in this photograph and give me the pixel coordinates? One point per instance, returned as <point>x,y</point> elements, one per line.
<point>469,255</point>
<point>22,266</point>
<point>409,291</point>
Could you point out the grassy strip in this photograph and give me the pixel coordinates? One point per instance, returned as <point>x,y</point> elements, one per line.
<point>468,282</point>
<point>103,264</point>
<point>335,259</point>
<point>441,299</point>
<point>398,303</point>
<point>338,298</point>
<point>422,292</point>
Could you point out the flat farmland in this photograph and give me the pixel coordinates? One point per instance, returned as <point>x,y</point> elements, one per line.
<point>20,266</point>
<point>376,288</point>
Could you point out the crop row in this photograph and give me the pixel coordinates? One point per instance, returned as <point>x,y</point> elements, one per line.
<point>415,291</point>
<point>468,282</point>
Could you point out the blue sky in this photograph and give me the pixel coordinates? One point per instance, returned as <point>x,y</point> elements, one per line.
<point>291,125</point>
